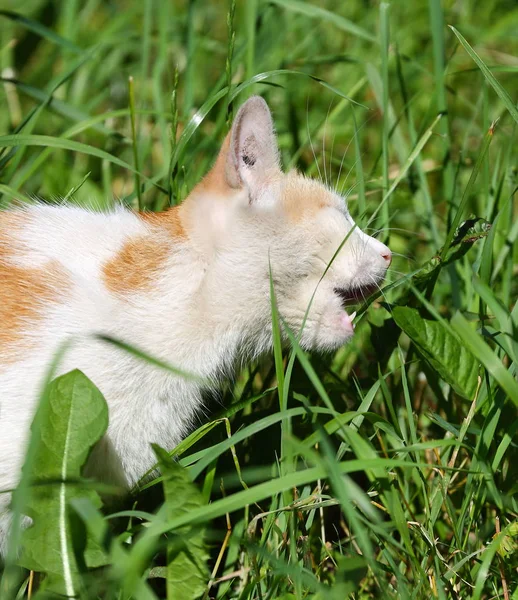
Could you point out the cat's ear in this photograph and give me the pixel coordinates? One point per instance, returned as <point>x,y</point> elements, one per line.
<point>253,154</point>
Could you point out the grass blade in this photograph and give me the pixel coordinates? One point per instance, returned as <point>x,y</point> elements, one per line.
<point>490,78</point>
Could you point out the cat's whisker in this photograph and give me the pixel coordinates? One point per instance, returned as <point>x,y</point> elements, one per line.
<point>324,145</point>
<point>405,256</point>
<point>347,176</point>
<point>331,161</point>
<point>383,229</point>
<point>356,133</point>
<point>341,166</point>
<point>382,292</point>
<point>310,140</point>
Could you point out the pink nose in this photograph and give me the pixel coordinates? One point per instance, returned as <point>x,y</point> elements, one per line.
<point>383,250</point>
<point>387,255</point>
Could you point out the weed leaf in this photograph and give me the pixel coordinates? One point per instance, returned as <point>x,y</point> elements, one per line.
<point>187,573</point>
<point>441,349</point>
<point>73,416</point>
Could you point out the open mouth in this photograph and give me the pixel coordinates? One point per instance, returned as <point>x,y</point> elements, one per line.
<point>355,295</point>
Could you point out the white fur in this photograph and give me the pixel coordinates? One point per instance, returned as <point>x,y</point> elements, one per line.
<point>208,308</point>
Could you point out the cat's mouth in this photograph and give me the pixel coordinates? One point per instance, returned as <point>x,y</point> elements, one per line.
<point>355,295</point>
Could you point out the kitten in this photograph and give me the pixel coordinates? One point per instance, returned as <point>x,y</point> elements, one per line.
<point>190,286</point>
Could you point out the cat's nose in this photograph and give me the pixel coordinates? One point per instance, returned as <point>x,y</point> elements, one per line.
<point>386,254</point>
<point>382,250</point>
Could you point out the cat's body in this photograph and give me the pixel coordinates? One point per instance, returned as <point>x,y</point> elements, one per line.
<point>190,287</point>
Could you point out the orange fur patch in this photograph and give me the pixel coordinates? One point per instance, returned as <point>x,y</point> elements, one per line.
<point>216,180</point>
<point>303,197</point>
<point>10,223</point>
<point>135,267</point>
<point>169,220</point>
<point>23,296</point>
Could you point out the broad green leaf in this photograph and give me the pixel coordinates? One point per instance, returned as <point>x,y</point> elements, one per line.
<point>97,526</point>
<point>486,356</point>
<point>187,572</point>
<point>72,417</point>
<point>441,349</point>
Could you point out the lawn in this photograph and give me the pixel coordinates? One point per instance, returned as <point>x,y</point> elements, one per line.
<point>387,470</point>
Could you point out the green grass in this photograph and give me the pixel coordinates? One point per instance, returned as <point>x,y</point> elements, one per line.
<point>388,470</point>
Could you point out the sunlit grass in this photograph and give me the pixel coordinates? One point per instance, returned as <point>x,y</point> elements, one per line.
<point>387,470</point>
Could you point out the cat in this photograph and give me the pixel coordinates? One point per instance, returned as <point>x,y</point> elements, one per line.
<point>189,286</point>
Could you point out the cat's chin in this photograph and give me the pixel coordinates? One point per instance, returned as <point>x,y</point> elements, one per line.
<point>341,331</point>
<point>335,329</point>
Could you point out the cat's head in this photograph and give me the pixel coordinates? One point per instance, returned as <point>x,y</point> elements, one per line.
<point>248,216</point>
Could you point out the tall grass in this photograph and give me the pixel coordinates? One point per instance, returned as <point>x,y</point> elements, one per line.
<point>389,469</point>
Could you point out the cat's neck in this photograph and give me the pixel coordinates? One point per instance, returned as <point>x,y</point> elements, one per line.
<point>194,309</point>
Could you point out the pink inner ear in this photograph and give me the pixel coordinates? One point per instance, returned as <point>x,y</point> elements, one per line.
<point>253,139</point>
<point>249,154</point>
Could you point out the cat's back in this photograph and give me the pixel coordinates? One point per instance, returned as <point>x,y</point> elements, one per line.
<point>78,239</point>
<point>51,271</point>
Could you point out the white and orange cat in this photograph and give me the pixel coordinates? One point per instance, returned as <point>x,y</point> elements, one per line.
<point>190,286</point>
